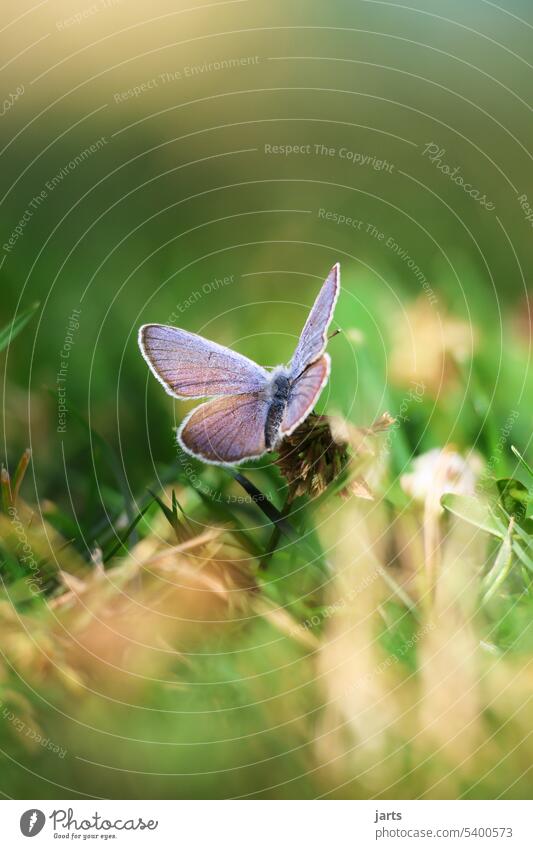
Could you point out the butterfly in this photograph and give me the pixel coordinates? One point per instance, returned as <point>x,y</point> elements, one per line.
<point>251,409</point>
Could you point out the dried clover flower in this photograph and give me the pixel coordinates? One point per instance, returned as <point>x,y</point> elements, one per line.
<point>310,458</point>
<point>321,449</point>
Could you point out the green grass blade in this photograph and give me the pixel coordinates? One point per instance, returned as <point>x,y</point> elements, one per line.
<point>474,512</point>
<point>111,458</point>
<point>20,472</point>
<point>128,532</point>
<point>522,460</point>
<point>236,527</point>
<point>10,331</point>
<point>271,512</point>
<point>502,566</point>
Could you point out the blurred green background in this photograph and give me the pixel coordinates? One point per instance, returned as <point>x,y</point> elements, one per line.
<point>182,192</point>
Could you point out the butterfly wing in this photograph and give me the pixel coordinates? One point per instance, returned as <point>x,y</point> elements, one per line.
<point>305,392</point>
<point>189,366</point>
<point>227,430</point>
<point>314,336</point>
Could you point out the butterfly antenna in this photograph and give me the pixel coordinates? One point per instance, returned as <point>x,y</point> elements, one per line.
<point>335,333</point>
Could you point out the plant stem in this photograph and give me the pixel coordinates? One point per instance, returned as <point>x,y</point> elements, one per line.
<point>276,534</point>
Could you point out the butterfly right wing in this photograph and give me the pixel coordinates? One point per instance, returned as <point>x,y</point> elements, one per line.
<point>189,366</point>
<point>305,392</point>
<point>227,430</point>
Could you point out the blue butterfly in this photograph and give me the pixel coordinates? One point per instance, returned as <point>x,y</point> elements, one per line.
<point>252,409</point>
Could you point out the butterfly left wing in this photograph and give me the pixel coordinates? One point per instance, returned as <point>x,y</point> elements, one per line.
<point>227,430</point>
<point>190,366</point>
<point>305,392</point>
<point>314,337</point>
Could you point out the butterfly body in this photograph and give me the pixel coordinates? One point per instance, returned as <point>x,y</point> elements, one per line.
<point>251,409</point>
<point>281,383</point>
